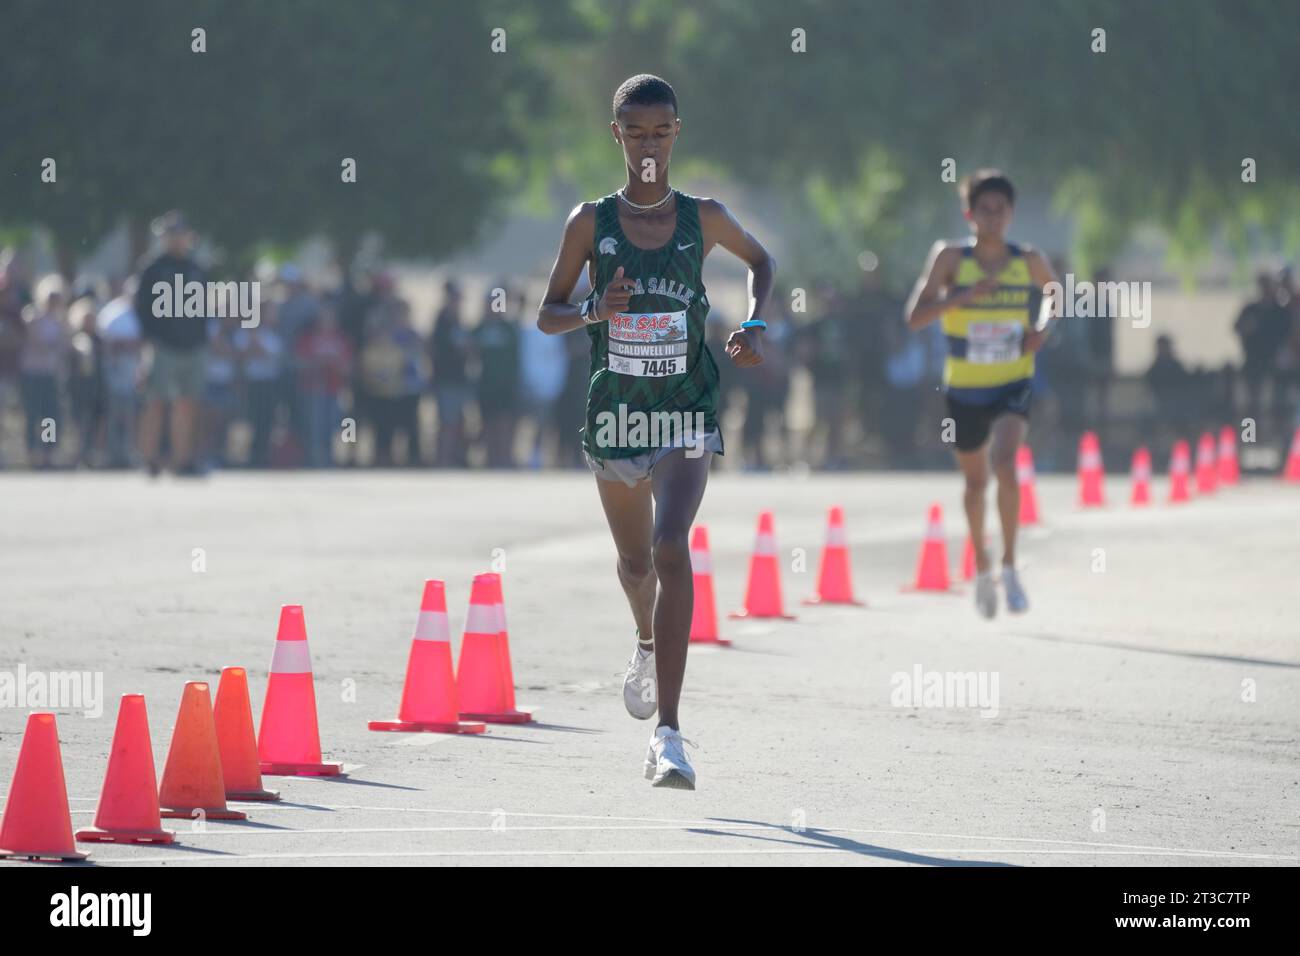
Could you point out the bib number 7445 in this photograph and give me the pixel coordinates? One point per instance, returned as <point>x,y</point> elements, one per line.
<point>648,344</point>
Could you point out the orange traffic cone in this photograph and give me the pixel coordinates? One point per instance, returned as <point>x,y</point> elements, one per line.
<point>192,780</point>
<point>1091,491</point>
<point>233,713</point>
<point>1229,470</point>
<point>36,822</point>
<point>128,804</point>
<point>1025,479</point>
<point>288,738</point>
<point>1180,463</point>
<point>704,612</point>
<point>484,678</point>
<point>1141,476</point>
<point>932,569</point>
<point>834,579</point>
<point>1292,470</point>
<point>763,592</point>
<point>429,701</point>
<point>1206,469</point>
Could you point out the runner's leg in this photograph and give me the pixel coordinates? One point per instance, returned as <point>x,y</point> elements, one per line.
<point>678,482</point>
<point>631,522</point>
<point>975,469</point>
<point>1008,434</point>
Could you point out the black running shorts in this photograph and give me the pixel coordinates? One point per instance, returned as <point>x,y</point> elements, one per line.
<point>973,422</point>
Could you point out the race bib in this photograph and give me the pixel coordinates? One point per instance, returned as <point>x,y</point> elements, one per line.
<point>647,344</point>
<point>991,342</point>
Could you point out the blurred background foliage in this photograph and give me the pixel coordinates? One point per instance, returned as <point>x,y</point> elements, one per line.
<point>846,140</point>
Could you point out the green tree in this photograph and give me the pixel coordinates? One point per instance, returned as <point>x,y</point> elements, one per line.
<point>249,137</point>
<point>1153,130</point>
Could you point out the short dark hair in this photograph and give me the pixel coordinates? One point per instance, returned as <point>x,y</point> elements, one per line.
<point>644,89</point>
<point>985,181</point>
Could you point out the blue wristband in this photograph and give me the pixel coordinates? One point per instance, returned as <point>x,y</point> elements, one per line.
<point>753,324</point>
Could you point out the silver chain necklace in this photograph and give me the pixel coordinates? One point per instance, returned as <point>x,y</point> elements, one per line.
<point>640,207</point>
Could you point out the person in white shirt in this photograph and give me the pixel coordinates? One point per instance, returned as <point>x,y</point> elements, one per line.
<point>261,353</point>
<point>543,368</point>
<point>44,351</point>
<point>121,343</point>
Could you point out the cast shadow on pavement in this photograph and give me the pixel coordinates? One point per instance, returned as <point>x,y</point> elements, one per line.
<point>537,724</point>
<point>341,780</point>
<point>1114,645</point>
<point>813,837</point>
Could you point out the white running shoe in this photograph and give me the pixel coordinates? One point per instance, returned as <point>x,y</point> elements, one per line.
<point>1017,602</point>
<point>640,687</point>
<point>986,594</point>
<point>666,764</point>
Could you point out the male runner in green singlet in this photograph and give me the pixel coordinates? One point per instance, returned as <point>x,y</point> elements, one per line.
<point>651,424</point>
<point>988,293</point>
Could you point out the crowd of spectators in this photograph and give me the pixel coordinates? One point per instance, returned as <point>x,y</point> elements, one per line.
<point>343,376</point>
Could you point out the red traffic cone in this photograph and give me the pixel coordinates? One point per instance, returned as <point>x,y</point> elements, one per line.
<point>1292,470</point>
<point>1180,463</point>
<point>1091,472</point>
<point>932,568</point>
<point>1229,470</point>
<point>834,579</point>
<point>288,738</point>
<point>233,714</point>
<point>192,781</point>
<point>36,822</point>
<point>1206,469</point>
<point>128,809</point>
<point>1025,478</point>
<point>704,612</point>
<point>484,678</point>
<point>1141,476</point>
<point>429,700</point>
<point>763,592</point>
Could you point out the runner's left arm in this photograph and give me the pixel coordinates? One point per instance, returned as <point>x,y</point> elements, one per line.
<point>720,227</point>
<point>1042,274</point>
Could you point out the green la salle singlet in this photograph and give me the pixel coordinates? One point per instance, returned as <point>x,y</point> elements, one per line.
<point>652,357</point>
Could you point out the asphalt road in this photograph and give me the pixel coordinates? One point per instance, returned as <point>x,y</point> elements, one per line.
<point>1145,713</point>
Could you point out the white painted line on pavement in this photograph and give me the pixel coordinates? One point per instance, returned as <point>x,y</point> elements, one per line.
<point>884,853</point>
<point>1082,846</point>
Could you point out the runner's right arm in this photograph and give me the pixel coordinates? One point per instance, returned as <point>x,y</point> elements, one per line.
<point>556,315</point>
<point>930,298</point>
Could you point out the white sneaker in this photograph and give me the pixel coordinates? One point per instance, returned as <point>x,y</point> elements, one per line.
<point>1017,602</point>
<point>986,594</point>
<point>666,764</point>
<point>640,688</point>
